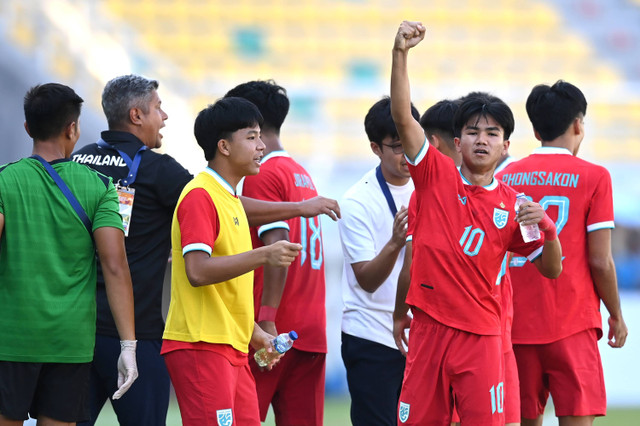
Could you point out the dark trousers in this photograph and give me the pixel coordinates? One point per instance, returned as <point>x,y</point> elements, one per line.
<point>374,376</point>
<point>147,400</point>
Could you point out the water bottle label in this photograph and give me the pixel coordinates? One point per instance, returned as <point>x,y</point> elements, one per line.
<point>281,347</point>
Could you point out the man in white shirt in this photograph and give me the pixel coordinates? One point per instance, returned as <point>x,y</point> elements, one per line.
<point>373,231</point>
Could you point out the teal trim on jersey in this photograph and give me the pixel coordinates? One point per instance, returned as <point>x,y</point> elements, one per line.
<point>221,180</point>
<point>493,185</point>
<point>421,154</point>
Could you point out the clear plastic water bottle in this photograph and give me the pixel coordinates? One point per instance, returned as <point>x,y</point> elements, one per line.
<point>282,343</point>
<point>529,232</point>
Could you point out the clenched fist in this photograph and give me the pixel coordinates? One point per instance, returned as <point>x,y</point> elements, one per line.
<point>410,33</point>
<point>282,253</point>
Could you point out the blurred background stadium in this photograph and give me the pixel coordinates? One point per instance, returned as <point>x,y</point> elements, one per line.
<point>333,56</point>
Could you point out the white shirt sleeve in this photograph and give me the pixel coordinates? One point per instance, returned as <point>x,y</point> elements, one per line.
<point>358,244</point>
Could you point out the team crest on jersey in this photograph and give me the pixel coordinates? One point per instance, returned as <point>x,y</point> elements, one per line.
<point>500,217</point>
<point>225,417</point>
<point>403,414</point>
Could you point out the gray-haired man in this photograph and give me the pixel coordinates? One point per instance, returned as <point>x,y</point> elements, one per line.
<point>149,185</point>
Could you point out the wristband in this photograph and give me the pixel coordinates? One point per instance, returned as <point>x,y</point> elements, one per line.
<point>548,228</point>
<point>267,313</point>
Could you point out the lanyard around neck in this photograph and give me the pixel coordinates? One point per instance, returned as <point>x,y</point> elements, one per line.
<point>77,207</point>
<point>132,164</point>
<point>385,190</point>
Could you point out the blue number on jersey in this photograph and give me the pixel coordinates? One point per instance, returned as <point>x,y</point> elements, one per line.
<point>563,216</point>
<point>315,242</point>
<point>469,239</point>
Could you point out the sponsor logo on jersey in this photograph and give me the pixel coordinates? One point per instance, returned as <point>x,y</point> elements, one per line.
<point>463,200</point>
<point>225,417</point>
<point>500,217</point>
<point>403,414</point>
<point>235,221</point>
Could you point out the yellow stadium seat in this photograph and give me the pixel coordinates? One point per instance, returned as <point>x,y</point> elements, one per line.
<point>338,43</point>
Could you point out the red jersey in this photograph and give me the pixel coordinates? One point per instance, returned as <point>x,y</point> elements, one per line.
<point>506,296</point>
<point>577,195</point>
<point>461,235</point>
<point>411,216</point>
<point>504,281</point>
<point>302,307</point>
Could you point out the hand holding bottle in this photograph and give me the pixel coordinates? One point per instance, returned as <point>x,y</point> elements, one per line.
<point>266,356</point>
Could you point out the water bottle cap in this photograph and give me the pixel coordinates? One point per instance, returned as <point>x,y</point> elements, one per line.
<point>293,335</point>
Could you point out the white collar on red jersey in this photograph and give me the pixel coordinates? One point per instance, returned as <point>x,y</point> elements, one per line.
<point>493,185</point>
<point>551,150</point>
<point>274,154</point>
<point>220,180</point>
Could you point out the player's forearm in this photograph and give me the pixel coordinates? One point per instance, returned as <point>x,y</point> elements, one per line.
<point>606,283</point>
<point>274,277</point>
<point>410,132</point>
<point>274,282</point>
<point>203,269</point>
<point>550,263</point>
<point>400,89</point>
<point>370,275</point>
<point>261,212</point>
<point>404,280</point>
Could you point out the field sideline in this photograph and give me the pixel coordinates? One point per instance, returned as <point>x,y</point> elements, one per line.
<point>337,414</point>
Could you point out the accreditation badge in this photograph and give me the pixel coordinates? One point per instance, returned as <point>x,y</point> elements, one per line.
<point>125,201</point>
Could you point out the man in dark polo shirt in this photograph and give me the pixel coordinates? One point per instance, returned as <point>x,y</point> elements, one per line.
<point>149,185</point>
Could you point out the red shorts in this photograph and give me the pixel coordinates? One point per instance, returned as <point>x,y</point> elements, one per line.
<point>446,364</point>
<point>210,390</point>
<point>511,391</point>
<point>569,369</point>
<point>295,388</point>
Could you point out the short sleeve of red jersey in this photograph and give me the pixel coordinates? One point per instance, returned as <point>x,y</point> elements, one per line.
<point>417,168</point>
<point>198,221</point>
<point>268,185</point>
<point>431,167</point>
<point>411,216</point>
<point>600,215</point>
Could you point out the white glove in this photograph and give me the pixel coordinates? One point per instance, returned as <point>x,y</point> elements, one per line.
<point>127,367</point>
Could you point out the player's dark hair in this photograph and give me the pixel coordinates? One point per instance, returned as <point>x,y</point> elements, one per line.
<point>271,100</point>
<point>552,109</point>
<point>438,120</point>
<point>49,109</point>
<point>482,105</point>
<point>123,93</point>
<point>378,123</point>
<point>220,120</point>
